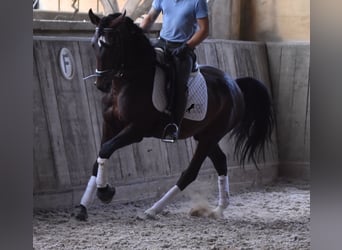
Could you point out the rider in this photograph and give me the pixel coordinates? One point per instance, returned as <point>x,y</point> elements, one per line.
<point>185,25</point>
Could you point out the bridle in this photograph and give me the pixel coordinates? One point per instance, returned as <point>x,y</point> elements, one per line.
<point>113,73</point>
<point>105,73</point>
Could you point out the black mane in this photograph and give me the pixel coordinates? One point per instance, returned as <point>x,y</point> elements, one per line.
<point>132,41</point>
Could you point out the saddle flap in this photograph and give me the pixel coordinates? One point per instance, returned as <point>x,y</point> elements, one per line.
<point>197,101</point>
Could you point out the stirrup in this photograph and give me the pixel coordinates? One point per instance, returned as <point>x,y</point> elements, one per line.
<point>170,137</point>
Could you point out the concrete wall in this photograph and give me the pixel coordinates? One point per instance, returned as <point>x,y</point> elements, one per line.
<point>67,129</point>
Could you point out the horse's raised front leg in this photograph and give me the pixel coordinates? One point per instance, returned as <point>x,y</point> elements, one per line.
<point>187,177</point>
<point>127,136</point>
<point>98,182</point>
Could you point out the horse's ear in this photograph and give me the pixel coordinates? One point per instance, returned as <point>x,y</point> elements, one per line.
<point>117,20</point>
<point>93,18</point>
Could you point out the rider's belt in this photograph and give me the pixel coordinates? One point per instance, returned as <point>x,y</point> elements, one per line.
<point>169,42</point>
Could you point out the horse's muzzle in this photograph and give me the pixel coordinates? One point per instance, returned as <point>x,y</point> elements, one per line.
<point>103,84</point>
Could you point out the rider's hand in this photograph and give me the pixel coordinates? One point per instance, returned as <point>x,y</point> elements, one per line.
<point>181,51</point>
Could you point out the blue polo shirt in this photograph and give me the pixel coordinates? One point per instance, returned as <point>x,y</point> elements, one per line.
<point>180,17</point>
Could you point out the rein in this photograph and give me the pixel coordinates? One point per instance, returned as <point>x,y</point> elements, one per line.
<point>103,73</point>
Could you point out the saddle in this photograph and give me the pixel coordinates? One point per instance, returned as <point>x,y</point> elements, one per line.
<point>166,64</point>
<point>163,83</point>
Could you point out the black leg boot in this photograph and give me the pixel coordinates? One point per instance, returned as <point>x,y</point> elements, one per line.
<point>183,68</point>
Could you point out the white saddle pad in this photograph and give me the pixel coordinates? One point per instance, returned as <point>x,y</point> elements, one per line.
<point>197,102</point>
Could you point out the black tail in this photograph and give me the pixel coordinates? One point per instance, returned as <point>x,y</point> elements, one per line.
<point>255,129</point>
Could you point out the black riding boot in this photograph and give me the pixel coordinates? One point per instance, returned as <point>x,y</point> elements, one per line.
<point>183,69</point>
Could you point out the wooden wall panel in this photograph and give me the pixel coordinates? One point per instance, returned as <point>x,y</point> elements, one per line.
<point>74,115</point>
<point>93,95</point>
<point>44,174</point>
<point>289,68</point>
<point>47,76</point>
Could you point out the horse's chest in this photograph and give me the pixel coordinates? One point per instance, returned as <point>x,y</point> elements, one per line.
<point>111,107</point>
<point>126,106</point>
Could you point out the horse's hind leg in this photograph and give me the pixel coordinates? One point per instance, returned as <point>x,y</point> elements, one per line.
<point>187,177</point>
<point>220,163</point>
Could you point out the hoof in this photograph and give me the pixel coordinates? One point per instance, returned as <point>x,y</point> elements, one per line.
<point>106,194</point>
<point>80,213</point>
<point>150,214</point>
<point>217,213</point>
<point>224,202</point>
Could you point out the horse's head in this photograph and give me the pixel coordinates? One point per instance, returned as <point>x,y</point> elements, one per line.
<point>122,50</point>
<point>107,45</point>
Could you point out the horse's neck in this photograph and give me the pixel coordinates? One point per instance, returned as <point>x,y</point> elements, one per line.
<point>141,63</point>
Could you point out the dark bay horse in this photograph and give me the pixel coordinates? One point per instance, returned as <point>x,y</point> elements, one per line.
<point>126,65</point>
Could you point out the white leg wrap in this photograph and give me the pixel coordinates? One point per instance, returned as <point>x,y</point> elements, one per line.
<point>164,201</point>
<point>223,187</point>
<point>102,177</point>
<point>89,193</point>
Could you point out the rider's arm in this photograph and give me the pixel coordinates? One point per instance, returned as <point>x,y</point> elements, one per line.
<point>149,19</point>
<point>201,34</point>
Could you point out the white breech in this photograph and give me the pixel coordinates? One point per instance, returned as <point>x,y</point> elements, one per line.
<point>163,202</point>
<point>102,176</point>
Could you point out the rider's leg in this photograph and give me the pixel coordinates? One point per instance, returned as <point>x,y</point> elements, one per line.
<point>183,68</point>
